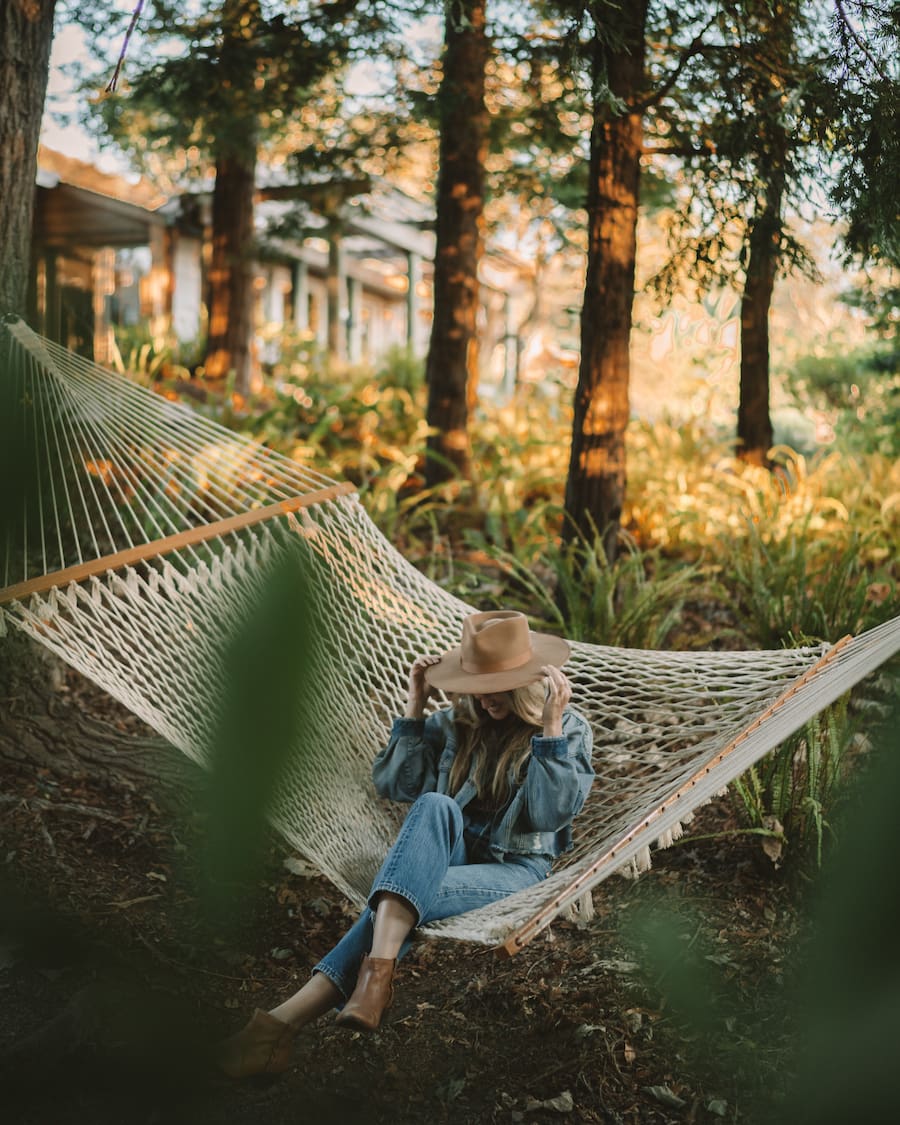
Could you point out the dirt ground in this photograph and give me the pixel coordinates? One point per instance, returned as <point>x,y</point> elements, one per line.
<point>668,1006</point>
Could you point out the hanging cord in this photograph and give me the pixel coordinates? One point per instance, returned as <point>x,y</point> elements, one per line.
<point>135,16</point>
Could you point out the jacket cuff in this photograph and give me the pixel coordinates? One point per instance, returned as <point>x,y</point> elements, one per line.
<point>402,725</point>
<point>557,746</point>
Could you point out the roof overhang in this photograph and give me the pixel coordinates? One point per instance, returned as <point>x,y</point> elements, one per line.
<point>72,216</point>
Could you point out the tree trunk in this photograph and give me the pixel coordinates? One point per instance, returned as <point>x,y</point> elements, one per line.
<point>44,727</point>
<point>754,426</point>
<point>230,282</point>
<point>452,365</point>
<point>765,236</point>
<point>595,488</point>
<point>26,35</point>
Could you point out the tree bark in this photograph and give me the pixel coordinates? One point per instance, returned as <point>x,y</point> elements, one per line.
<point>765,236</point>
<point>230,281</point>
<point>43,727</point>
<point>754,425</point>
<point>230,278</point>
<point>26,35</point>
<point>451,368</point>
<point>595,488</point>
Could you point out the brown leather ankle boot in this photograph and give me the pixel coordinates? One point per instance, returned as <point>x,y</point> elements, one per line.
<point>373,993</point>
<point>262,1046</point>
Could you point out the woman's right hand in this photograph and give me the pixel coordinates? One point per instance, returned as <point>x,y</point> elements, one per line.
<point>419,690</point>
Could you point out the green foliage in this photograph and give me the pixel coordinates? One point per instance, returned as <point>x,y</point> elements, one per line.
<point>216,79</point>
<point>401,368</point>
<point>859,391</point>
<point>794,793</point>
<point>796,588</point>
<point>146,359</point>
<point>848,995</point>
<point>839,992</point>
<point>860,139</point>
<point>267,688</point>
<point>572,588</point>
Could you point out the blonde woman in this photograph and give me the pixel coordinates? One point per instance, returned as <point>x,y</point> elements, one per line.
<point>494,781</point>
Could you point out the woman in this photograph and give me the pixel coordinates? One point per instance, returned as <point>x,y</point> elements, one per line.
<point>494,781</point>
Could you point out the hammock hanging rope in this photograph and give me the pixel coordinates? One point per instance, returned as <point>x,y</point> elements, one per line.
<point>148,527</point>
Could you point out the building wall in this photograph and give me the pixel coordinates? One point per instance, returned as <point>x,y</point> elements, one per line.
<point>187,284</point>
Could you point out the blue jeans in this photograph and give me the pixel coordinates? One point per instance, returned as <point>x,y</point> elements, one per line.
<point>430,867</point>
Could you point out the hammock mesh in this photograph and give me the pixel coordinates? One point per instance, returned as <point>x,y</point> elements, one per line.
<point>148,531</point>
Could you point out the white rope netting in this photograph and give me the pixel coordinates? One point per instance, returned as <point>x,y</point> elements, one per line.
<point>121,467</point>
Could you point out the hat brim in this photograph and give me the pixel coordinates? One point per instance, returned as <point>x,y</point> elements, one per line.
<point>449,675</point>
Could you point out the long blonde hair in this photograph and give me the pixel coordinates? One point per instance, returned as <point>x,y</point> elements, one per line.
<point>495,753</point>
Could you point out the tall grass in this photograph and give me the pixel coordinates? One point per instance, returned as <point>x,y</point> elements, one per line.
<point>573,589</point>
<point>793,792</point>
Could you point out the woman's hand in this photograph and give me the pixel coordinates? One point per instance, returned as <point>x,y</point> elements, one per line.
<point>419,690</point>
<point>558,692</point>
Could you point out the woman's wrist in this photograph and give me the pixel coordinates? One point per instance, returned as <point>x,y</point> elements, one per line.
<point>415,709</point>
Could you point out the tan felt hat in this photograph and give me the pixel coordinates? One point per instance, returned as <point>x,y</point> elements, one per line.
<point>498,653</point>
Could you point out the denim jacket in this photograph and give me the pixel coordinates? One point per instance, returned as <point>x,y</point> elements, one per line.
<point>537,817</point>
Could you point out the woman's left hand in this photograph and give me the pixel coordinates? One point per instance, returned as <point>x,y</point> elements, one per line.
<point>558,692</point>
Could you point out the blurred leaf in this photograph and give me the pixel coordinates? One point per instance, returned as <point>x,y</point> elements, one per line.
<point>848,998</point>
<point>268,682</point>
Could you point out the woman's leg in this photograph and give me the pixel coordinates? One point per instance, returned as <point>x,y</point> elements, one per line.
<point>463,888</point>
<point>429,846</point>
<point>318,996</point>
<point>429,843</point>
<point>479,884</point>
<point>430,840</point>
<point>394,919</point>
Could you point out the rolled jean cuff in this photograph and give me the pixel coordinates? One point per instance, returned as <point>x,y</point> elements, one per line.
<point>326,970</point>
<point>395,889</point>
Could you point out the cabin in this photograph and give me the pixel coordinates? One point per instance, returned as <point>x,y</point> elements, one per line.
<point>112,253</point>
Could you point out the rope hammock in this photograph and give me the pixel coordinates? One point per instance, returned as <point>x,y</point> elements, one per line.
<point>151,526</point>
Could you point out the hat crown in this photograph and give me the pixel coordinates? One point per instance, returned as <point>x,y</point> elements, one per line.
<point>497,652</point>
<point>498,641</point>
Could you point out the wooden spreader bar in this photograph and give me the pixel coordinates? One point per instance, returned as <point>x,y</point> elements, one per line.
<point>169,543</point>
<point>582,884</point>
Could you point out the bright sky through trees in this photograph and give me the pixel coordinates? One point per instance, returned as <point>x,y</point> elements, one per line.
<point>71,57</point>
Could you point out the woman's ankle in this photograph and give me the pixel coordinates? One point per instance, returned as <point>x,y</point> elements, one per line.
<point>319,995</point>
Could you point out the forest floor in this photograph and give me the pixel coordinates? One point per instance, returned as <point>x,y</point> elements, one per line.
<point>112,988</point>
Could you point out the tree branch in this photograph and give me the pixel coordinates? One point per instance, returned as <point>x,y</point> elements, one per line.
<point>854,35</point>
<point>135,16</point>
<point>696,47</point>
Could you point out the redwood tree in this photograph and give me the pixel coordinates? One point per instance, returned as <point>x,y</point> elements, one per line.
<point>243,72</point>
<point>452,363</point>
<point>769,80</point>
<point>26,35</point>
<point>595,488</point>
<point>230,277</point>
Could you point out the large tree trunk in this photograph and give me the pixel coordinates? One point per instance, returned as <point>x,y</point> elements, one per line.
<point>765,238</point>
<point>230,277</point>
<point>45,727</point>
<point>452,364</point>
<point>754,426</point>
<point>26,35</point>
<point>230,281</point>
<point>595,488</point>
